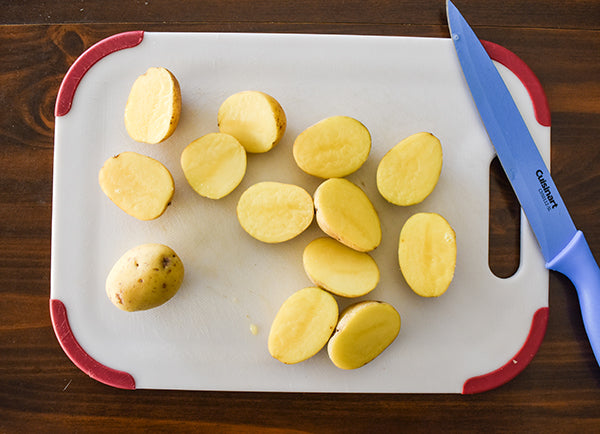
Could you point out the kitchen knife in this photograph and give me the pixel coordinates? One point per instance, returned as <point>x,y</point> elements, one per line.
<point>563,246</point>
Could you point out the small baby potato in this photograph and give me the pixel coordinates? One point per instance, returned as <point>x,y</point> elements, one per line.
<point>365,329</point>
<point>302,325</point>
<point>345,213</point>
<point>214,164</point>
<point>332,148</point>
<point>409,172</point>
<point>427,254</point>
<point>145,277</point>
<point>339,269</point>
<point>256,119</point>
<point>154,106</point>
<point>274,212</point>
<point>139,185</point>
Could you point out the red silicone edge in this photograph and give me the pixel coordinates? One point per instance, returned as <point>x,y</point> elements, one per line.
<point>527,77</point>
<point>68,342</point>
<point>517,363</point>
<point>101,49</point>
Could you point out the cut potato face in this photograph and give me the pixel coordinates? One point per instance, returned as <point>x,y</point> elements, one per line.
<point>139,185</point>
<point>153,107</point>
<point>365,329</point>
<point>256,119</point>
<point>339,269</point>
<point>427,254</point>
<point>345,213</point>
<point>214,164</point>
<point>332,148</point>
<point>409,172</point>
<point>302,325</point>
<point>274,212</point>
<point>145,277</point>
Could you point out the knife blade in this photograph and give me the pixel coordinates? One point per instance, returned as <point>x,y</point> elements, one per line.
<point>563,246</point>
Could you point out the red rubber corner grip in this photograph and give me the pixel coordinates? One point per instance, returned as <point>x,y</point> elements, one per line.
<point>527,77</point>
<point>101,49</point>
<point>516,364</point>
<point>68,342</point>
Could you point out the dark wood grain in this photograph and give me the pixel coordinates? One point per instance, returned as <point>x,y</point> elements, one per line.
<point>40,388</point>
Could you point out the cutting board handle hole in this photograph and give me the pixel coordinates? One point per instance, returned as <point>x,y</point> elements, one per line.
<point>504,224</point>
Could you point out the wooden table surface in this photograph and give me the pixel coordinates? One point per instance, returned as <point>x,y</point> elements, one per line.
<point>41,390</point>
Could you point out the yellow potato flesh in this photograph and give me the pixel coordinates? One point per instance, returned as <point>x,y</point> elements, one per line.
<point>214,164</point>
<point>145,277</point>
<point>332,148</point>
<point>365,329</point>
<point>409,172</point>
<point>139,185</point>
<point>153,107</point>
<point>274,212</point>
<point>302,325</point>
<point>256,119</point>
<point>345,213</point>
<point>339,269</point>
<point>427,254</point>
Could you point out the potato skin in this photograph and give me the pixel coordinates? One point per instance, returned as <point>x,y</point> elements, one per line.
<point>145,277</point>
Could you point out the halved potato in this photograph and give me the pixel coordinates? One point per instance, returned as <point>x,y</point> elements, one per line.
<point>339,269</point>
<point>256,119</point>
<point>364,330</point>
<point>141,186</point>
<point>274,212</point>
<point>145,277</point>
<point>302,325</point>
<point>153,107</point>
<point>332,148</point>
<point>409,172</point>
<point>427,254</point>
<point>214,164</point>
<point>345,213</point>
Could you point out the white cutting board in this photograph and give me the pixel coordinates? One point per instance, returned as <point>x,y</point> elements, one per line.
<point>201,339</point>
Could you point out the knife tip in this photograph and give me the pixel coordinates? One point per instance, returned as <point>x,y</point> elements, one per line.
<point>451,11</point>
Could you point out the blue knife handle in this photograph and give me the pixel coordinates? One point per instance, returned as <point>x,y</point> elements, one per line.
<point>577,263</point>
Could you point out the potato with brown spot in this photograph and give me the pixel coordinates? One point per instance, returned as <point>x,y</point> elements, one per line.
<point>145,277</point>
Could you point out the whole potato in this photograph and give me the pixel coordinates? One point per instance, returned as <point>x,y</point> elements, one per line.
<point>145,277</point>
